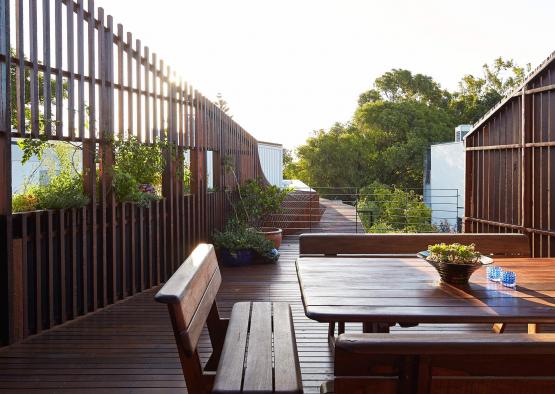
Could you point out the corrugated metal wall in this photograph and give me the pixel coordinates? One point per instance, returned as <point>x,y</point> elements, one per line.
<point>509,168</point>
<point>271,160</point>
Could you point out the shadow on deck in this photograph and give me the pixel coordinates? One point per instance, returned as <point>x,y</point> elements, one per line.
<point>129,347</point>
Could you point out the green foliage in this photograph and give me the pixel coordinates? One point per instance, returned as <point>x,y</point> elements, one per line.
<point>476,95</point>
<point>24,202</point>
<point>383,209</point>
<point>65,186</point>
<point>395,122</point>
<point>290,167</point>
<point>222,104</point>
<point>126,189</point>
<point>186,178</point>
<point>340,157</point>
<point>31,146</point>
<point>396,136</point>
<point>238,236</point>
<point>144,162</point>
<point>137,164</point>
<point>257,201</point>
<point>454,253</point>
<point>400,85</point>
<point>64,190</point>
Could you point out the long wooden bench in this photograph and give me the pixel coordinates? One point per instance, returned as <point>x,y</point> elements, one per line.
<point>330,244</point>
<point>254,351</point>
<point>501,245</point>
<point>425,363</point>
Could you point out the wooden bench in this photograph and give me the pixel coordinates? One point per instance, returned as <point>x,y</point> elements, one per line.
<point>505,244</point>
<point>500,245</point>
<point>425,363</point>
<point>254,351</point>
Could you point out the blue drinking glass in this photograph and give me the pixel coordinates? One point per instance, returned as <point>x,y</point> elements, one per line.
<point>494,273</point>
<point>509,279</point>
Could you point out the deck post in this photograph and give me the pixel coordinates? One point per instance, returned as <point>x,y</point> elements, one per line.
<point>6,274</point>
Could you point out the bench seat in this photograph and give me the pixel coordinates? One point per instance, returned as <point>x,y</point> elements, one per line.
<point>443,363</point>
<point>254,351</point>
<point>259,352</point>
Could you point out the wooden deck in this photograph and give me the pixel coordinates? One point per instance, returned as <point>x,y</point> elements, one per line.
<point>129,347</point>
<point>337,218</point>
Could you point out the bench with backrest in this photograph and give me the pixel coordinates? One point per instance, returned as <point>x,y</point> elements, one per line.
<point>496,245</point>
<point>443,363</point>
<point>254,350</point>
<point>500,245</point>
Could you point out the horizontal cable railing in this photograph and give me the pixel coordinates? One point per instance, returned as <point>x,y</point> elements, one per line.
<point>327,209</point>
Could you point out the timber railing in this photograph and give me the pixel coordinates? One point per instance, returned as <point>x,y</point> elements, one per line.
<point>81,79</point>
<point>509,164</point>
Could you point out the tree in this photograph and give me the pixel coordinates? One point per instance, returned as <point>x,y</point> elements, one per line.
<point>397,135</point>
<point>395,122</point>
<point>476,95</point>
<point>290,166</point>
<point>338,157</point>
<point>400,85</point>
<point>222,104</point>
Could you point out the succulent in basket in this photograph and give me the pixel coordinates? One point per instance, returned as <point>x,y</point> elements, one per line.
<point>454,253</point>
<point>455,263</point>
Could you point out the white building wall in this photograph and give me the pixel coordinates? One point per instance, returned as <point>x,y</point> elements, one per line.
<point>271,160</point>
<point>447,182</point>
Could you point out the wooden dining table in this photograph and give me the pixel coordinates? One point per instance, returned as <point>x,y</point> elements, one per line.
<point>382,291</point>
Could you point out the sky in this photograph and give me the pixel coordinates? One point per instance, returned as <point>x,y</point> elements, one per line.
<point>288,67</point>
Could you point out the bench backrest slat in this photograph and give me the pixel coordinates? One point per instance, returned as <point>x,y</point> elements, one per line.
<point>505,244</point>
<point>190,294</point>
<point>444,363</point>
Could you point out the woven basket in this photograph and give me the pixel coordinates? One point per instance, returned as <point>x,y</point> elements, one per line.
<point>455,274</point>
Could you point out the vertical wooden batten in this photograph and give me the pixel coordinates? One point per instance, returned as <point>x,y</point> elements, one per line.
<point>100,85</point>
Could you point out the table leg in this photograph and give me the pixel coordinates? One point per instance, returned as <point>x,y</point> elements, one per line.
<point>375,327</point>
<point>533,328</point>
<point>331,335</point>
<point>340,328</point>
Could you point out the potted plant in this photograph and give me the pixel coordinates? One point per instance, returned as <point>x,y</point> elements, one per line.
<point>240,245</point>
<point>257,202</point>
<point>455,263</point>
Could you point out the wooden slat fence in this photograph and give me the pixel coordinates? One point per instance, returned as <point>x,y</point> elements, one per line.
<point>509,168</point>
<point>91,82</point>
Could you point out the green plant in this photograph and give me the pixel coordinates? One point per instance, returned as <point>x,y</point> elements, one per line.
<point>454,253</point>
<point>258,201</point>
<point>144,162</point>
<point>186,178</point>
<point>137,164</point>
<point>385,209</point>
<point>65,186</point>
<point>24,202</point>
<point>237,236</point>
<point>63,191</point>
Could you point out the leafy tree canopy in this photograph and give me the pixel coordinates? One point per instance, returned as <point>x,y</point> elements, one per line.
<point>400,85</point>
<point>394,123</point>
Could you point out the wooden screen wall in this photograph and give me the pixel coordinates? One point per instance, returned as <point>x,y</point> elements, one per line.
<point>509,166</point>
<point>89,82</point>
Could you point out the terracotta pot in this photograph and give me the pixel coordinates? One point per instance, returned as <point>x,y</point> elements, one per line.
<point>273,234</point>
